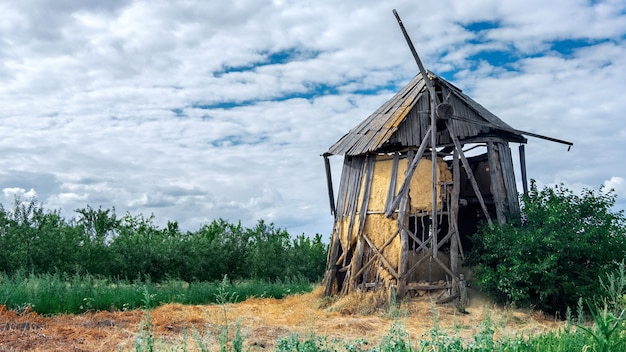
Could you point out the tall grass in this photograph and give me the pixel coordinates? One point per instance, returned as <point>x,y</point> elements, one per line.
<point>63,293</point>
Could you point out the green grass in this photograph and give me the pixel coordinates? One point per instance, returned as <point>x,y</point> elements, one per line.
<point>60,293</point>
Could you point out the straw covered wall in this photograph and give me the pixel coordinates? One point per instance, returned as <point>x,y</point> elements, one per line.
<point>378,228</point>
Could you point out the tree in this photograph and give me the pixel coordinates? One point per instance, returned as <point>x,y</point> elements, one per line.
<point>555,253</point>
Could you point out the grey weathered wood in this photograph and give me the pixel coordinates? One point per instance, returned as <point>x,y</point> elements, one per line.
<point>371,161</point>
<point>508,176</point>
<point>392,184</point>
<point>404,243</point>
<point>357,261</point>
<point>522,162</point>
<point>331,271</point>
<point>378,253</point>
<point>415,266</point>
<point>497,184</point>
<point>417,286</point>
<point>355,181</point>
<point>329,183</point>
<point>455,243</point>
<point>470,176</point>
<point>409,174</point>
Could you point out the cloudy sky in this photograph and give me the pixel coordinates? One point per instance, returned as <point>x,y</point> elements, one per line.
<point>198,110</point>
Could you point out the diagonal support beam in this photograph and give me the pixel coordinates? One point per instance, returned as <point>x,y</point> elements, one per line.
<point>470,174</point>
<point>379,254</point>
<point>409,174</point>
<point>371,261</point>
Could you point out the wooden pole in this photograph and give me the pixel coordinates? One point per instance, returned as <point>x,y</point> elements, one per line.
<point>522,162</point>
<point>329,183</point>
<point>453,214</point>
<point>470,175</point>
<point>497,186</point>
<point>433,130</point>
<point>409,174</point>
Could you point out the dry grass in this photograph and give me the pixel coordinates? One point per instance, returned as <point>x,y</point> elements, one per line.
<point>262,321</point>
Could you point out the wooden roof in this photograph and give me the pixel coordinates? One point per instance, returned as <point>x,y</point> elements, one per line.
<point>402,121</point>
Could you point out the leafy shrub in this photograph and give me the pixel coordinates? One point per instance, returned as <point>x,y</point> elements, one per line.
<point>100,243</point>
<point>555,254</point>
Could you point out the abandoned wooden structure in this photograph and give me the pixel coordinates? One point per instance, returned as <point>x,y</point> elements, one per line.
<point>410,196</point>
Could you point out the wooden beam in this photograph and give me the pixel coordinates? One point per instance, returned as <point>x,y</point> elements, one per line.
<point>409,174</point>
<point>331,270</point>
<point>522,163</point>
<point>495,175</point>
<point>392,184</point>
<point>382,258</point>
<point>508,177</point>
<point>470,174</point>
<point>455,244</point>
<point>415,266</point>
<point>371,261</point>
<point>404,246</point>
<point>329,183</point>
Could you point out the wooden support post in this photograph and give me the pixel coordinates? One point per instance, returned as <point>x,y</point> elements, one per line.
<point>470,175</point>
<point>404,246</point>
<point>508,177</point>
<point>497,183</point>
<point>331,270</point>
<point>454,214</point>
<point>392,183</point>
<point>383,260</point>
<point>329,183</point>
<point>522,162</point>
<point>404,189</point>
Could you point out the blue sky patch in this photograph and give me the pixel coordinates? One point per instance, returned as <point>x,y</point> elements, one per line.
<point>235,140</point>
<point>567,47</point>
<point>178,112</point>
<point>497,58</point>
<point>481,25</point>
<point>280,57</point>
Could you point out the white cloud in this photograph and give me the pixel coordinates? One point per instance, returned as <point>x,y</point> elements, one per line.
<point>21,193</point>
<point>617,184</point>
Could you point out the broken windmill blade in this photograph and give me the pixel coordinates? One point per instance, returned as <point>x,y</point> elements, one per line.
<point>433,130</point>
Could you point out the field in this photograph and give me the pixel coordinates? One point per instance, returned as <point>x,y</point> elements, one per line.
<point>350,323</point>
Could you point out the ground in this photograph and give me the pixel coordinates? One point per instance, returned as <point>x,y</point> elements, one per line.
<point>262,322</point>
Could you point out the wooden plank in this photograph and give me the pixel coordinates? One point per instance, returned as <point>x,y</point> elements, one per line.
<point>444,267</point>
<point>383,260</point>
<point>343,190</point>
<point>455,243</point>
<point>357,261</point>
<point>415,266</point>
<point>508,175</point>
<point>497,184</point>
<point>404,244</point>
<point>417,286</point>
<point>371,161</point>
<point>373,258</point>
<point>470,176</point>
<point>522,162</point>
<point>329,183</point>
<point>355,183</point>
<point>392,184</point>
<point>331,270</point>
<point>409,174</point>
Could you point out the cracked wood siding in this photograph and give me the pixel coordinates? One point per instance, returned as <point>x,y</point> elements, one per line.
<point>375,130</point>
<point>402,120</point>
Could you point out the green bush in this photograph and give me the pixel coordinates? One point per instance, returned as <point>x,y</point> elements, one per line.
<point>554,255</point>
<point>100,243</point>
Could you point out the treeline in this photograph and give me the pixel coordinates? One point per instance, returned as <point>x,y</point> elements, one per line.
<point>98,242</point>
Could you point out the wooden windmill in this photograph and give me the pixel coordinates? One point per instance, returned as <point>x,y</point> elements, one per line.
<point>404,207</point>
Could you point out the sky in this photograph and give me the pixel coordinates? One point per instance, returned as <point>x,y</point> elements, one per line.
<point>199,110</point>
